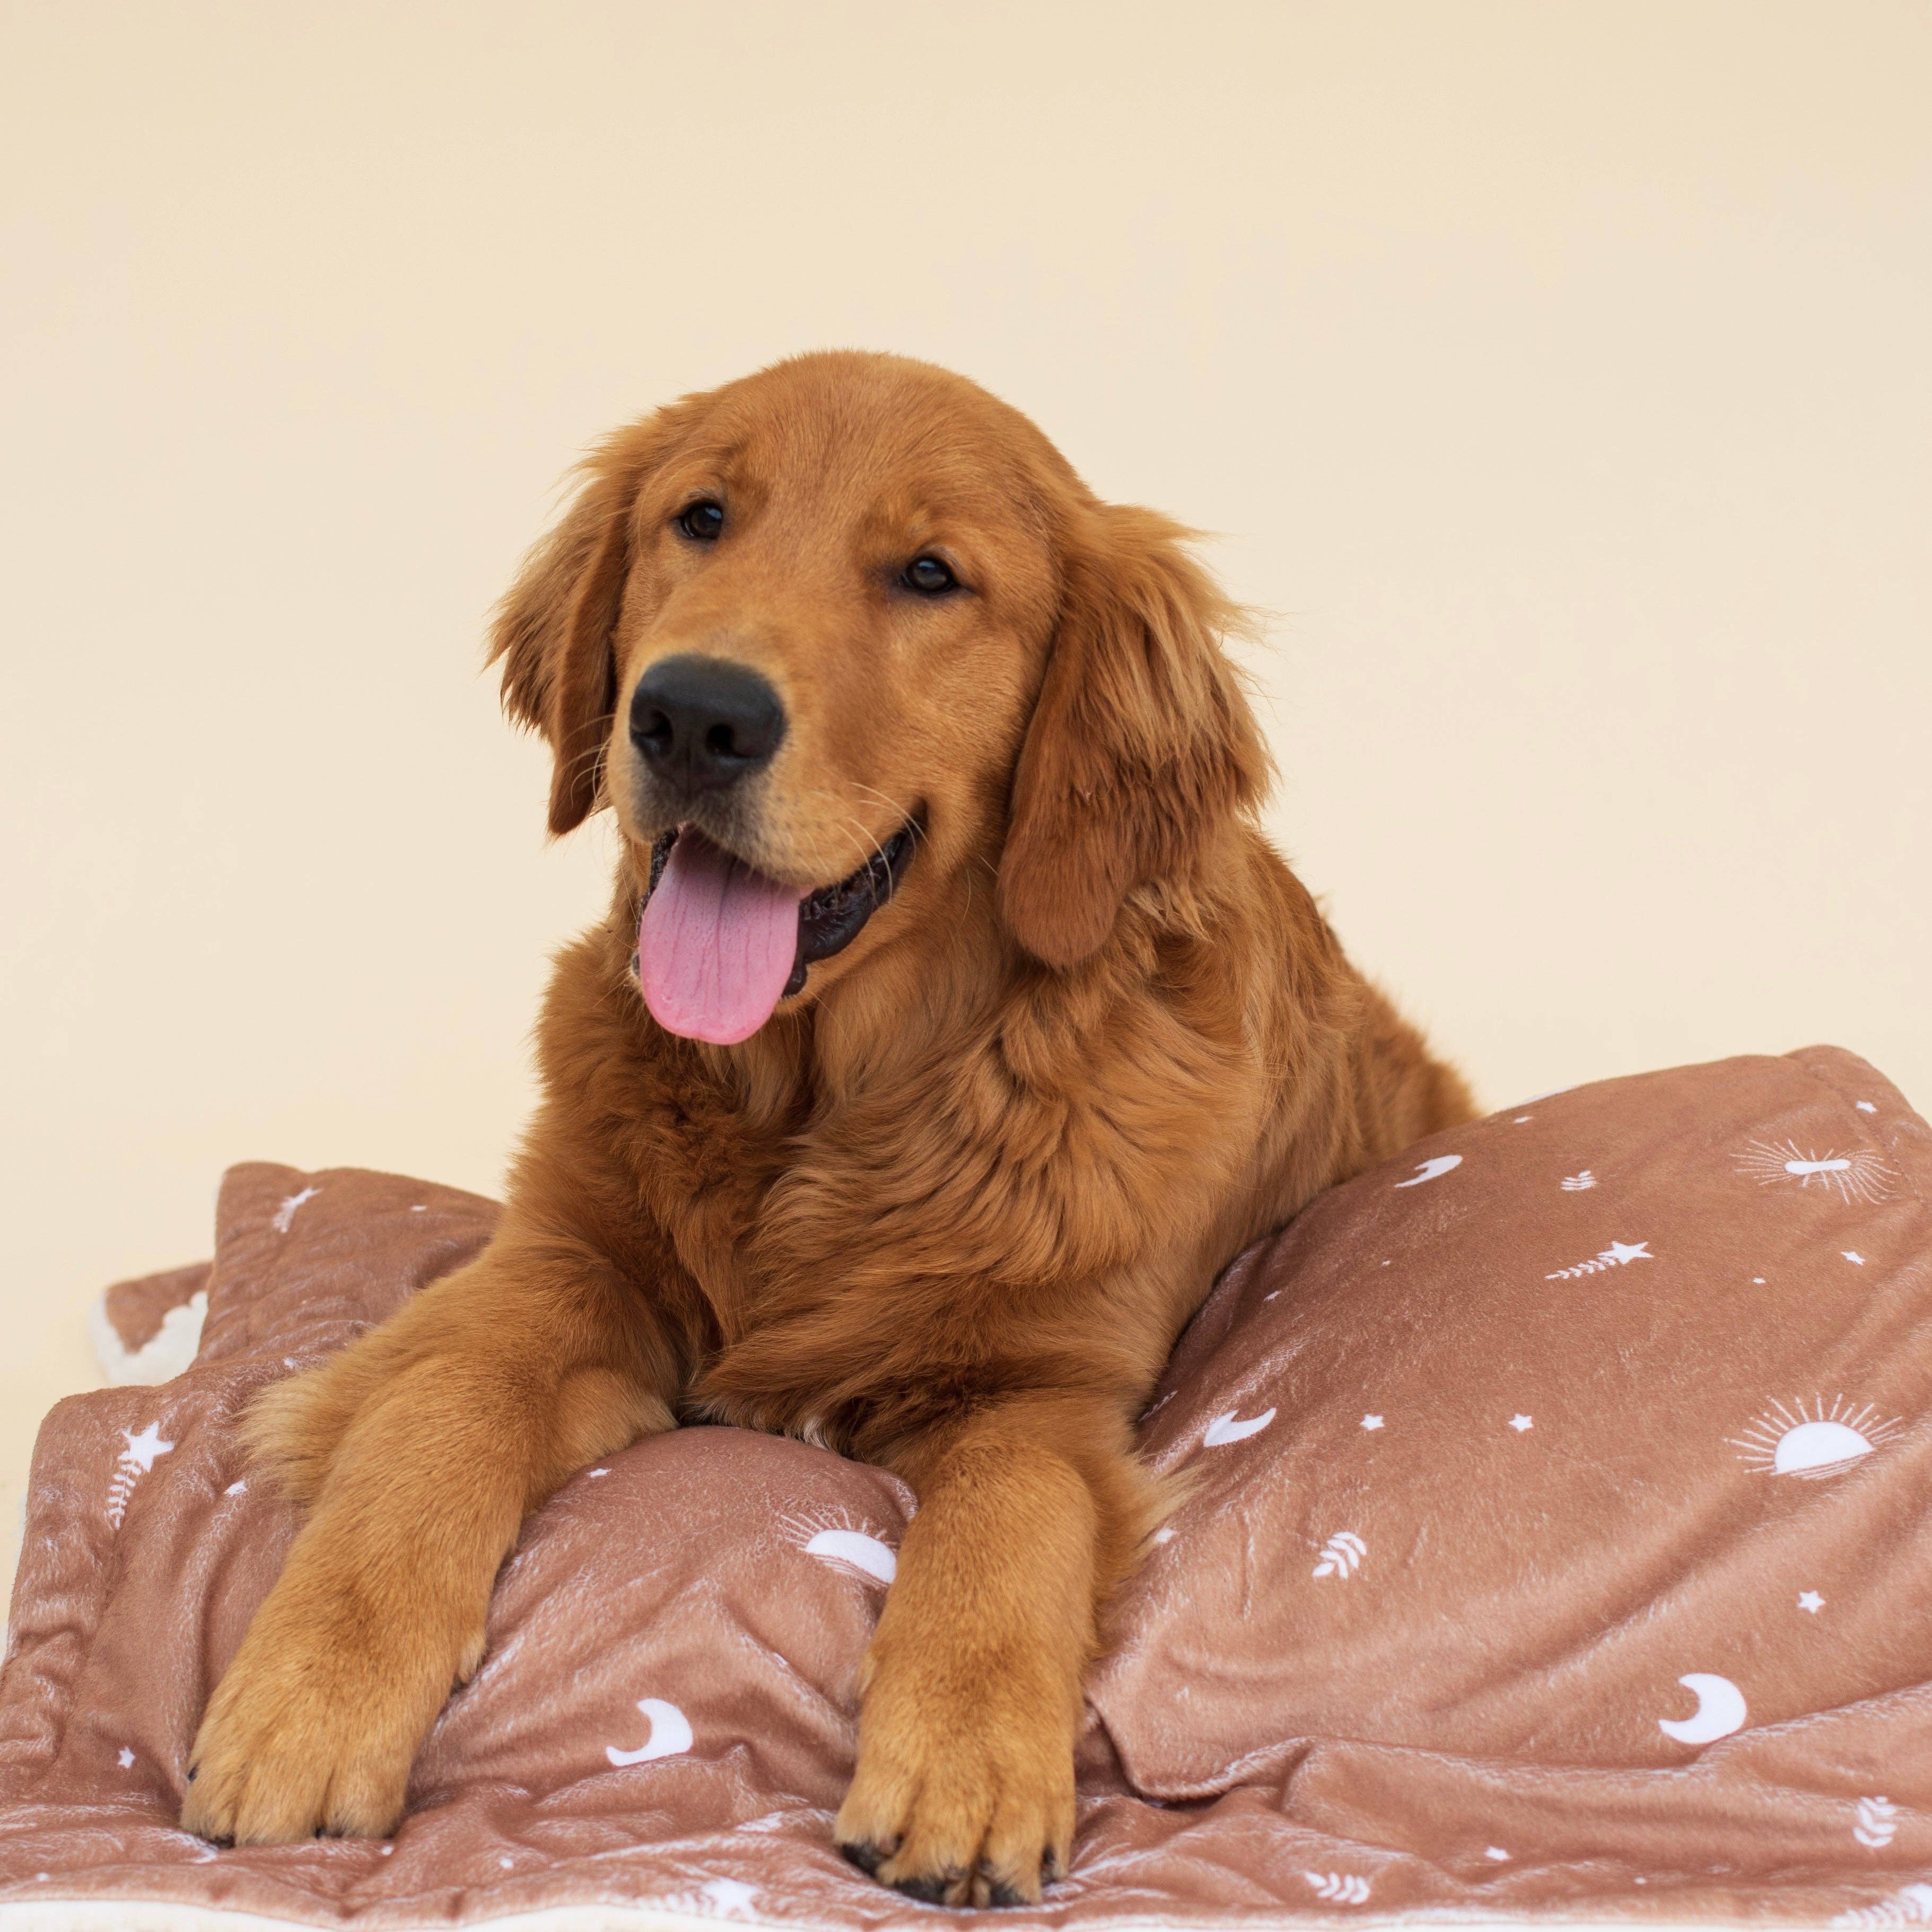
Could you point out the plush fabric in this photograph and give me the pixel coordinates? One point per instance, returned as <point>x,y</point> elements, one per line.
<point>1558,1546</point>
<point>148,1330</point>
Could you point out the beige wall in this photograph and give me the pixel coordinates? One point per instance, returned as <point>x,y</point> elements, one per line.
<point>1557,375</point>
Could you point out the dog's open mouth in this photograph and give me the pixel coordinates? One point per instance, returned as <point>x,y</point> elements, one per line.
<point>719,944</point>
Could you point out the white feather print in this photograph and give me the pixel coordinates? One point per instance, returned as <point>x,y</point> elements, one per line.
<point>1342,1888</point>
<point>1911,1905</point>
<point>1342,1555</point>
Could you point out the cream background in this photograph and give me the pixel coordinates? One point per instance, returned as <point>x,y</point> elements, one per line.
<point>1556,375</point>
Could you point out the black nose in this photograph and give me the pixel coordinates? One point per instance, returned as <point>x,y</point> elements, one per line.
<point>701,723</point>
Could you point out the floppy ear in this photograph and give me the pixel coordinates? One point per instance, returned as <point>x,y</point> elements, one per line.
<point>1141,743</point>
<point>552,632</point>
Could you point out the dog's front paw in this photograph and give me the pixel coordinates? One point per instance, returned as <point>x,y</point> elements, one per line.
<point>308,1733</point>
<point>958,1801</point>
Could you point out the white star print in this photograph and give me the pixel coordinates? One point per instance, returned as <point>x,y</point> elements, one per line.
<point>1520,1423</point>
<point>126,1758</point>
<point>1371,1422</point>
<point>1810,1600</point>
<point>144,1447</point>
<point>1852,1255</point>
<point>1619,1254</point>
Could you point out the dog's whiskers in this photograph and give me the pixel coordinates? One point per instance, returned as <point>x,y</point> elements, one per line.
<point>869,846</point>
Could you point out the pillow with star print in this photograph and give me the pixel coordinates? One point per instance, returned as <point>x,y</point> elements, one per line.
<point>1572,1431</point>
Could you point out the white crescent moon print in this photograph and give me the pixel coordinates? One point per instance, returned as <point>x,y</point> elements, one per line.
<point>1428,1170</point>
<point>1227,1428</point>
<point>1720,1711</point>
<point>670,1735</point>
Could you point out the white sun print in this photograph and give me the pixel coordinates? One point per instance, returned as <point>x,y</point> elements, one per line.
<point>1813,1442</point>
<point>837,1539</point>
<point>1619,1254</point>
<point>133,1463</point>
<point>1860,1175</point>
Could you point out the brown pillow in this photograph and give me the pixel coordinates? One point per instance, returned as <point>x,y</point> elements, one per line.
<point>1499,1444</point>
<point>1493,1452</point>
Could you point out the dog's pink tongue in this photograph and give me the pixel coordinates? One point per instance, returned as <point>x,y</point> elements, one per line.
<point>716,944</point>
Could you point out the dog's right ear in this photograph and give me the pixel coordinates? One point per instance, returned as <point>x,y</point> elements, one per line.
<point>552,632</point>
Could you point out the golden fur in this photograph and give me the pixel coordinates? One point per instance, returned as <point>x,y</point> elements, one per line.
<point>948,1210</point>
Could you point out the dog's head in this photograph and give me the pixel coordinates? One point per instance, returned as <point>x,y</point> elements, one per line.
<point>833,638</point>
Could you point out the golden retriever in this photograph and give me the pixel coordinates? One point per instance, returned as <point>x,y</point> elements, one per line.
<point>951,1026</point>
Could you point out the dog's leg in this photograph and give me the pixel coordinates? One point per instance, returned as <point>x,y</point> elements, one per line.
<point>1029,1514</point>
<point>421,1448</point>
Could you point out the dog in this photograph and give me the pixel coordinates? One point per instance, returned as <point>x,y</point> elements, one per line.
<point>951,1026</point>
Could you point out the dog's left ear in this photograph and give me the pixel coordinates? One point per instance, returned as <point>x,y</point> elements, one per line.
<point>1142,744</point>
<point>552,632</point>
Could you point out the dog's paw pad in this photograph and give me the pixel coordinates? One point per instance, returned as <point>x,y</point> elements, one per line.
<point>928,1888</point>
<point>867,1857</point>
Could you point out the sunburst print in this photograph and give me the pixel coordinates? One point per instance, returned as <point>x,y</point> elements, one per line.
<point>1860,1175</point>
<point>1814,1442</point>
<point>845,1541</point>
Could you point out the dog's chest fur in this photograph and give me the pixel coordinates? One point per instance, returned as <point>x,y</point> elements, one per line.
<point>935,1234</point>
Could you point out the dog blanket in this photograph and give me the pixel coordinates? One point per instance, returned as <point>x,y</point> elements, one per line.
<point>1558,1546</point>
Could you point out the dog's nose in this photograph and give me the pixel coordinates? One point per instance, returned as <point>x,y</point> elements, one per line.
<point>702,723</point>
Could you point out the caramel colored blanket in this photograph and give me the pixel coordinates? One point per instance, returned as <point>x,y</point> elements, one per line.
<point>1560,1549</point>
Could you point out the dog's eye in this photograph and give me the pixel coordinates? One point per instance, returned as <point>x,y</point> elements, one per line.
<point>928,576</point>
<point>702,520</point>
